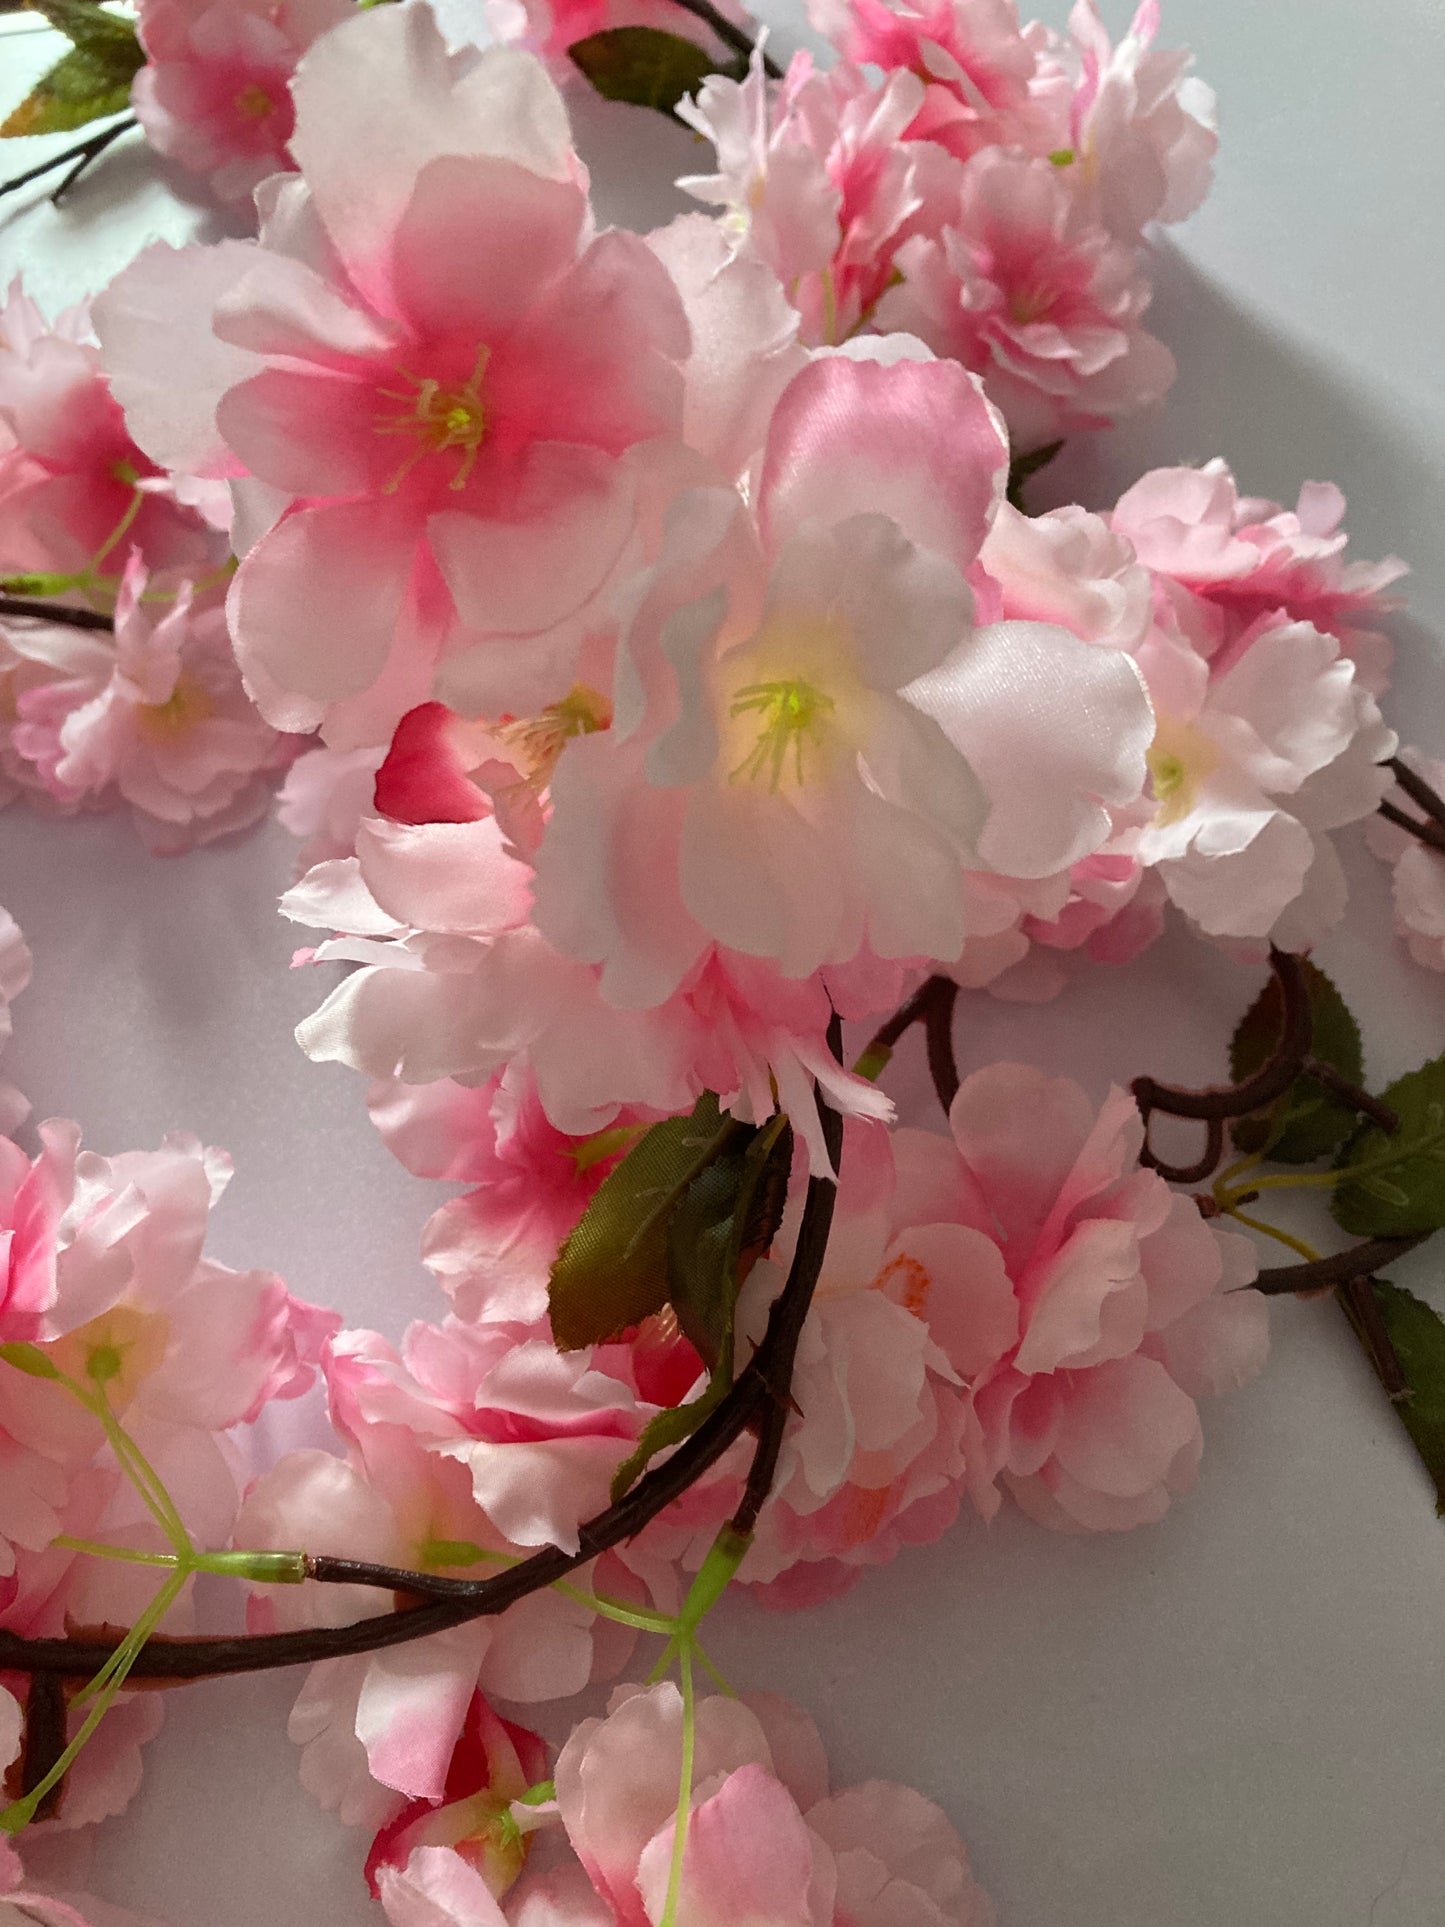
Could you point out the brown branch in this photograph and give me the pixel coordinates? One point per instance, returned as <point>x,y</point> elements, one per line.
<point>1358,1261</point>
<point>1429,833</point>
<point>45,1736</point>
<point>1217,1102</point>
<point>1418,790</point>
<point>62,612</point>
<point>82,154</point>
<point>938,1033</point>
<point>1338,1085</point>
<point>758,1399</point>
<point>931,1005</point>
<point>729,33</point>
<point>1362,1308</point>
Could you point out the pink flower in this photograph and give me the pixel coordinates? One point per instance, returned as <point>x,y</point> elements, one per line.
<point>1258,753</point>
<point>1419,870</point>
<point>215,92</point>
<point>809,766</point>
<point>157,718</point>
<point>22,1904</point>
<point>1027,289</point>
<point>1128,1306</point>
<point>818,181</point>
<point>1224,561</point>
<point>1142,128</point>
<point>494,1764</point>
<point>765,1840</point>
<point>438,452</point>
<point>68,466</point>
<point>979,66</point>
<point>323,799</point>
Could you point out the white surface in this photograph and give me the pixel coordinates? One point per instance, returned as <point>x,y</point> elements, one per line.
<point>1233,1720</point>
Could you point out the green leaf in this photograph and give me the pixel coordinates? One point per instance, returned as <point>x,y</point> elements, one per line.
<point>29,1359</point>
<point>643,65</point>
<point>90,81</point>
<point>723,1225</point>
<point>668,1427</point>
<point>1401,1189</point>
<point>1309,1121</point>
<point>1023,467</point>
<point>1418,1335</point>
<point>612,1271</point>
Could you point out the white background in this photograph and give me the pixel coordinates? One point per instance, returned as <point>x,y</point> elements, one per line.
<point>1236,1719</point>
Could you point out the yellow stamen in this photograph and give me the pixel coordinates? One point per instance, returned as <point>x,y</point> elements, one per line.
<point>254,103</point>
<point>539,740</point>
<point>791,712</point>
<point>187,705</point>
<point>440,419</point>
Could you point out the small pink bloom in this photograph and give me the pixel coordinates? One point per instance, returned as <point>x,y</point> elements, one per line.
<point>1129,1307</point>
<point>1142,128</point>
<point>979,65</point>
<point>68,465</point>
<point>158,719</point>
<point>215,93</point>
<point>438,451</point>
<point>1226,560</point>
<point>1027,289</point>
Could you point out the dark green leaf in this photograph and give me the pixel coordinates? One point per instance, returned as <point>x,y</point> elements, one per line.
<point>87,83</point>
<point>1418,1335</point>
<point>85,24</point>
<point>1023,467</point>
<point>726,1221</point>
<point>1402,1188</point>
<point>1309,1122</point>
<point>612,1271</point>
<point>643,65</point>
<point>668,1427</point>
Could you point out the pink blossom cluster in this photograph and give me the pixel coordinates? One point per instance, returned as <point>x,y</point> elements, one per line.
<point>766,1840</point>
<point>981,184</point>
<point>148,712</point>
<point>103,1279</point>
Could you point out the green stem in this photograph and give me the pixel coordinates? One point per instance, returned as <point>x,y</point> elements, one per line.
<point>1307,1252</point>
<point>684,1791</point>
<point>119,532</point>
<point>104,1687</point>
<point>1326,1180</point>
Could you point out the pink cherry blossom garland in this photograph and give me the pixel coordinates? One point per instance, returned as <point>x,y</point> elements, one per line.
<point>671,536</point>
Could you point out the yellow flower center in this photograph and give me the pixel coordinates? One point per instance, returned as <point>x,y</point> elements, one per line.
<point>254,103</point>
<point>187,705</point>
<point>1179,759</point>
<point>116,1351</point>
<point>438,419</point>
<point>790,714</point>
<point>539,740</point>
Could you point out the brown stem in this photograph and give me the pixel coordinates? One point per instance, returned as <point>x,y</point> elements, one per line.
<point>45,1736</point>
<point>1218,1102</point>
<point>1418,790</point>
<point>729,33</point>
<point>23,605</point>
<point>931,1005</point>
<point>1428,832</point>
<point>938,1033</point>
<point>1357,1262</point>
<point>785,1324</point>
<point>1340,1086</point>
<point>761,1391</point>
<point>82,154</point>
<point>1362,1309</point>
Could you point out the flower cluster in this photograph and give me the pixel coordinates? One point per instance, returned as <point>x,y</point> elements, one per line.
<point>129,694</point>
<point>987,191</point>
<point>664,673</point>
<point>103,1286</point>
